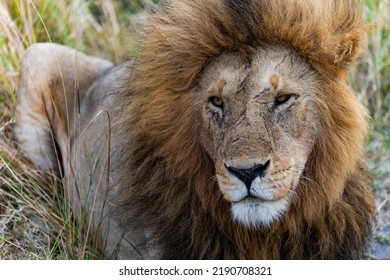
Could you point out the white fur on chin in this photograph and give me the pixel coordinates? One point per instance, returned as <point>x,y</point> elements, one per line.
<point>253,213</point>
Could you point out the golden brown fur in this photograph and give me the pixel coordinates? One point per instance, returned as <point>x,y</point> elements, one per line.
<point>173,195</point>
<point>171,144</point>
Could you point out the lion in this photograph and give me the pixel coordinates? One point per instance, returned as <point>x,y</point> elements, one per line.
<point>233,134</point>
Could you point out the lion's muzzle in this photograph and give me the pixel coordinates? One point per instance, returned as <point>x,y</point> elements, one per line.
<point>258,194</point>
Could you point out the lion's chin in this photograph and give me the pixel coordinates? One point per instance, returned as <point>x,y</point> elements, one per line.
<point>255,213</point>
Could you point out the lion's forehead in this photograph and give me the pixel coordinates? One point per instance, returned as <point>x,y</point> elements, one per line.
<point>237,78</point>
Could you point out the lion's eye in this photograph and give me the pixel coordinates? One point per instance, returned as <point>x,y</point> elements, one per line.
<point>216,101</point>
<point>282,98</point>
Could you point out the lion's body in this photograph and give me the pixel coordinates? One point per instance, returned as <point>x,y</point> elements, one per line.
<point>233,135</point>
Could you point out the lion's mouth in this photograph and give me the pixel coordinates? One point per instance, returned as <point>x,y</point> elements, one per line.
<point>255,201</point>
<point>253,212</point>
<point>250,199</point>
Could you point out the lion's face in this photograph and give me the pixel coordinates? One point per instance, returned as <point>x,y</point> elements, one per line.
<point>259,124</point>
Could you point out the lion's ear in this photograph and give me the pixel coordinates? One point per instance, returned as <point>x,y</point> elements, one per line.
<point>334,35</point>
<point>331,33</point>
<point>347,34</point>
<point>350,47</point>
<point>350,44</point>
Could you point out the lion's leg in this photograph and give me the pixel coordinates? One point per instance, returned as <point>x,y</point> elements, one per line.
<point>53,79</point>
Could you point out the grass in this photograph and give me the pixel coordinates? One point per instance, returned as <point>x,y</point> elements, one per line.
<point>371,80</point>
<point>35,222</point>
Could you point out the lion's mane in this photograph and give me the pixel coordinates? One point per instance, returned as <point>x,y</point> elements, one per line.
<point>167,186</point>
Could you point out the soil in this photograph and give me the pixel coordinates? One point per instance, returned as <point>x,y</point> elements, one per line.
<point>380,245</point>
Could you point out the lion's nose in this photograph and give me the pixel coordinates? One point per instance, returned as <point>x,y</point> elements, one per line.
<point>248,175</point>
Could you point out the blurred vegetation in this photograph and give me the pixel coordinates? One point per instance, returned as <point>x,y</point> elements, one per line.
<point>371,80</point>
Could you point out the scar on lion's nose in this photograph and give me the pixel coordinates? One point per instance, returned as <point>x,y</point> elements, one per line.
<point>248,175</point>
